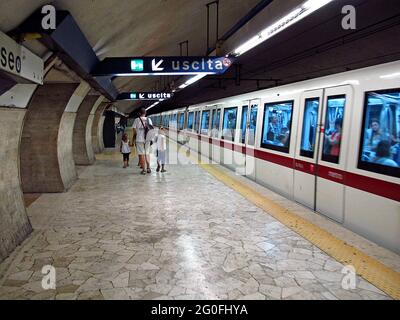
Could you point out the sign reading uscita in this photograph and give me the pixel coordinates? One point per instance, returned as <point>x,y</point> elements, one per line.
<point>144,95</point>
<point>146,66</point>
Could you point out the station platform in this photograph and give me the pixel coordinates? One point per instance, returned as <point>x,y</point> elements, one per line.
<point>188,233</point>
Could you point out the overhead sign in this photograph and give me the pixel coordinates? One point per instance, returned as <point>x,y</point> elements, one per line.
<point>18,60</point>
<point>144,95</point>
<point>145,66</point>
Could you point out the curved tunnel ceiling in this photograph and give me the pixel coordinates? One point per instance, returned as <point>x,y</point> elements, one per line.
<point>136,28</point>
<point>314,47</point>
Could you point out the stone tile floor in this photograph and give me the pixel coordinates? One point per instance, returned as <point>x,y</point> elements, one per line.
<point>179,235</point>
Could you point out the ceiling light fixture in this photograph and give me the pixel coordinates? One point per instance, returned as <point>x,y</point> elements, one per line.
<point>153,105</point>
<point>296,15</point>
<point>192,80</point>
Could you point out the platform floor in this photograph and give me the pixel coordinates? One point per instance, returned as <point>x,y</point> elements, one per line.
<point>179,235</point>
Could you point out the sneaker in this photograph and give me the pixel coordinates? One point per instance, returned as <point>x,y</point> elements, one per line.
<point>163,170</point>
<point>158,169</point>
<point>143,172</point>
<point>149,170</point>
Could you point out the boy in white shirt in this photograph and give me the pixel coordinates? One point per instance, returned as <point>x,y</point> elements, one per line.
<point>161,150</point>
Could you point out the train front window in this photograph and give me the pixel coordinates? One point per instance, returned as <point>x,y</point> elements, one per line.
<point>333,128</point>
<point>205,122</point>
<point>243,124</point>
<point>190,121</point>
<point>310,124</point>
<point>229,125</point>
<point>252,125</point>
<point>380,141</point>
<point>277,126</point>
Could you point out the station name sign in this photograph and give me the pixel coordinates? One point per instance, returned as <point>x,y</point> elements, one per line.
<point>145,95</point>
<point>19,61</point>
<point>145,66</point>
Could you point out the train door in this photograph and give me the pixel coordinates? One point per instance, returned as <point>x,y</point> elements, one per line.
<point>333,148</point>
<point>306,157</point>
<point>322,152</point>
<point>250,138</point>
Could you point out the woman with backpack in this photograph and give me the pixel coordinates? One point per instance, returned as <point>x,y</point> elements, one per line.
<point>143,125</point>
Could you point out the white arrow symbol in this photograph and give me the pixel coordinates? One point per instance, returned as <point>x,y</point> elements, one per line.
<point>156,66</point>
<point>141,95</point>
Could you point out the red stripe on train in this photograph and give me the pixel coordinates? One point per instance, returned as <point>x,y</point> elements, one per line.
<point>375,186</point>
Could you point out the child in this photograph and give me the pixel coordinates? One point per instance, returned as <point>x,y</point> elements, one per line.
<point>125,149</point>
<point>161,150</point>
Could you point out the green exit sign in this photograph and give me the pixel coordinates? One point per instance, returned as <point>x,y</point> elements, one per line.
<point>137,65</point>
<point>133,96</point>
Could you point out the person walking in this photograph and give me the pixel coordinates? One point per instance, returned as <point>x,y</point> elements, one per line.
<point>143,125</point>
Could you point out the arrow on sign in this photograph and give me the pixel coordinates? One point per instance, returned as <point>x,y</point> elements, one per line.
<point>141,96</point>
<point>156,66</point>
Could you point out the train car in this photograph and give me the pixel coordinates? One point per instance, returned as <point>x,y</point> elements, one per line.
<point>331,144</point>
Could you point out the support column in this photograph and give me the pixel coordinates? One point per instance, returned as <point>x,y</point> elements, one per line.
<point>14,222</point>
<point>100,132</point>
<point>46,148</point>
<point>82,138</point>
<point>97,128</point>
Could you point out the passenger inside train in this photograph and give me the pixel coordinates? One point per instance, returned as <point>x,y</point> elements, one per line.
<point>381,142</point>
<point>277,123</point>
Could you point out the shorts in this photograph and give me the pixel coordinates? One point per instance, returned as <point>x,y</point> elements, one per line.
<point>161,156</point>
<point>126,156</point>
<point>143,148</point>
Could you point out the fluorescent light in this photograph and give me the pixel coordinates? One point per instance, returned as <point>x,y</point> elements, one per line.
<point>391,76</point>
<point>192,80</point>
<point>195,78</point>
<point>295,16</point>
<point>153,105</point>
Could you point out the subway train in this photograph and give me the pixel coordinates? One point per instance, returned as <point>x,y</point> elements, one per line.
<point>331,144</point>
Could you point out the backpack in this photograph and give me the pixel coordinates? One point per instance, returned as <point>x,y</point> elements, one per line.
<point>146,127</point>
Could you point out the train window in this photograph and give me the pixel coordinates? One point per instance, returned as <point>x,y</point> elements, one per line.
<point>181,122</point>
<point>229,126</point>
<point>310,124</point>
<point>243,124</point>
<point>205,122</point>
<point>190,121</point>
<point>277,126</point>
<point>197,122</point>
<point>215,122</point>
<point>380,139</point>
<point>253,125</point>
<point>333,128</point>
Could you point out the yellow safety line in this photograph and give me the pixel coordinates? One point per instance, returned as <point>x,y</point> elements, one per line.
<point>372,270</point>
